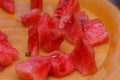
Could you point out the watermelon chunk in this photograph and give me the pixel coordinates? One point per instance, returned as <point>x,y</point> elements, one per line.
<point>81,16</point>
<point>83,57</point>
<point>67,7</point>
<point>95,32</point>
<point>70,26</point>
<point>31,18</point>
<point>8,54</point>
<point>50,37</point>
<point>5,60</point>
<point>37,4</point>
<point>33,40</point>
<point>8,5</point>
<point>36,68</point>
<point>61,64</point>
<point>3,37</point>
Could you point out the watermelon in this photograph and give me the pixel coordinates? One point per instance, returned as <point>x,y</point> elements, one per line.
<point>3,37</point>
<point>50,37</point>
<point>61,64</point>
<point>8,54</point>
<point>36,68</point>
<point>8,5</point>
<point>33,41</point>
<point>71,27</point>
<point>95,32</point>
<point>37,4</point>
<point>83,57</point>
<point>66,7</point>
<point>31,18</point>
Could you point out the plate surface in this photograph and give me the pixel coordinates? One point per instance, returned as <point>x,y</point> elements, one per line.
<point>107,55</point>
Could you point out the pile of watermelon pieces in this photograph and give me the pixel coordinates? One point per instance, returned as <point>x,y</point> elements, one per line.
<point>48,33</point>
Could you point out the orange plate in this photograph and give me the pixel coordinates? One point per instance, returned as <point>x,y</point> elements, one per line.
<point>107,55</point>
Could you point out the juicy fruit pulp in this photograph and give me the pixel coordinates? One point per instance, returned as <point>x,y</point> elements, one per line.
<point>3,37</point>
<point>34,69</point>
<point>31,18</point>
<point>83,57</point>
<point>67,7</point>
<point>61,64</point>
<point>37,4</point>
<point>95,32</point>
<point>8,5</point>
<point>57,64</point>
<point>8,54</point>
<point>49,33</point>
<point>33,40</point>
<point>71,28</point>
<point>50,37</point>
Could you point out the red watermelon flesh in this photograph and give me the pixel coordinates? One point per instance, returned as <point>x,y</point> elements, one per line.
<point>5,60</point>
<point>50,37</point>
<point>81,16</point>
<point>33,40</point>
<point>31,18</point>
<point>71,28</point>
<point>3,37</point>
<point>8,54</point>
<point>37,4</point>
<point>36,68</point>
<point>61,64</point>
<point>8,5</point>
<point>67,7</point>
<point>95,32</point>
<point>83,57</point>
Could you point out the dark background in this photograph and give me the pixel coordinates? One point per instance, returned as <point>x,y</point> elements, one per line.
<point>116,2</point>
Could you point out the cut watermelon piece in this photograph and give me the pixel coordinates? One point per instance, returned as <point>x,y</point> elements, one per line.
<point>67,7</point>
<point>5,60</point>
<point>61,64</point>
<point>8,54</point>
<point>36,68</point>
<point>83,57</point>
<point>81,16</point>
<point>71,28</point>
<point>3,37</point>
<point>50,37</point>
<point>95,32</point>
<point>37,4</point>
<point>8,5</point>
<point>33,40</point>
<point>31,18</point>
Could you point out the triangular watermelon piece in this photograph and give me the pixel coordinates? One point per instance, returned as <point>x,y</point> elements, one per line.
<point>3,37</point>
<point>8,54</point>
<point>36,68</point>
<point>83,57</point>
<point>33,43</point>
<point>66,7</point>
<point>8,5</point>
<point>61,64</point>
<point>37,4</point>
<point>31,18</point>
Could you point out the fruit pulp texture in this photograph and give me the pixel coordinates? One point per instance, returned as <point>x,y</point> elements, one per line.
<point>12,26</point>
